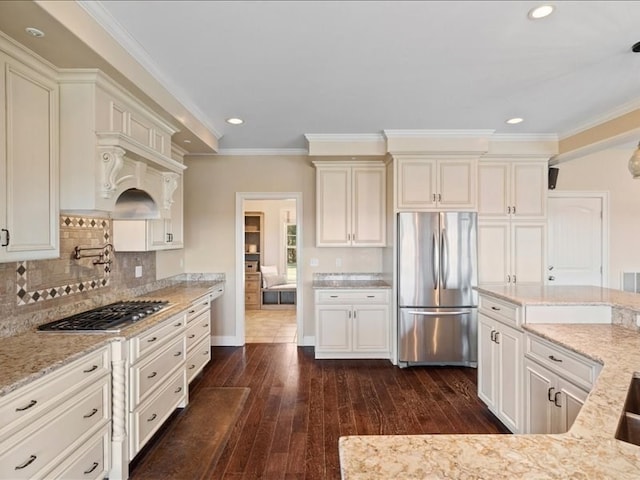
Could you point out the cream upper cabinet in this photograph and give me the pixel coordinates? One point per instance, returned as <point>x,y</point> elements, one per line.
<point>350,204</point>
<point>511,252</point>
<point>28,161</point>
<point>426,183</point>
<point>512,189</point>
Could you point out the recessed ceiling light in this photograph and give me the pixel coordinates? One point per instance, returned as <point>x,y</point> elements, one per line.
<point>540,12</point>
<point>34,32</point>
<point>515,120</point>
<point>234,121</point>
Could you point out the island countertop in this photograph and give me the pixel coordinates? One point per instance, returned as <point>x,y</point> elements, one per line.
<point>30,355</point>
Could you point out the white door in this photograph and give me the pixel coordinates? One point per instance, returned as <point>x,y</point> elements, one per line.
<point>575,233</point>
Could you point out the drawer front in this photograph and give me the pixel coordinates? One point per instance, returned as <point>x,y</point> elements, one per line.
<point>29,402</point>
<point>150,416</point>
<point>198,358</point>
<point>503,311</point>
<point>92,460</point>
<point>198,307</point>
<point>216,292</point>
<point>352,296</point>
<point>198,330</point>
<point>146,376</point>
<point>145,343</point>
<point>49,437</point>
<point>251,298</point>
<point>251,285</point>
<point>565,363</point>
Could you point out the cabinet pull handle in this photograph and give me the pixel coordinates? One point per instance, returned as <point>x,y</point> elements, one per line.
<point>152,418</point>
<point>27,463</point>
<point>92,369</point>
<point>152,374</point>
<point>333,296</point>
<point>514,278</point>
<point>555,399</point>
<point>434,197</point>
<point>93,467</point>
<point>177,354</point>
<point>513,210</point>
<point>508,278</point>
<point>496,337</point>
<point>179,324</point>
<point>191,367</point>
<point>192,311</point>
<point>178,390</point>
<point>349,313</point>
<point>354,314</point>
<point>497,309</point>
<point>206,325</point>
<point>549,392</point>
<point>551,357</point>
<point>8,237</point>
<point>89,415</point>
<point>371,296</point>
<point>493,332</point>
<point>439,197</point>
<point>191,336</point>
<point>508,210</point>
<point>27,407</point>
<point>152,339</point>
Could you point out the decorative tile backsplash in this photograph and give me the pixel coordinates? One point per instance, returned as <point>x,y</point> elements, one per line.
<point>42,280</point>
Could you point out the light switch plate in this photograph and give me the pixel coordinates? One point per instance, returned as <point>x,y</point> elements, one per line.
<point>314,262</point>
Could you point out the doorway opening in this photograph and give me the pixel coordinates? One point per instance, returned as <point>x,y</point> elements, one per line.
<point>268,303</point>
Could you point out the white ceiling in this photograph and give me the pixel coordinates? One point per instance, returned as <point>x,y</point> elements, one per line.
<point>351,67</point>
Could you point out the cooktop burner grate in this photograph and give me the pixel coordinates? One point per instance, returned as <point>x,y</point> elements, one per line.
<point>108,318</point>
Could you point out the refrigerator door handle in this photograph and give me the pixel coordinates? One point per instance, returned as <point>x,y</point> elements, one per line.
<point>444,252</point>
<point>434,261</point>
<point>439,314</point>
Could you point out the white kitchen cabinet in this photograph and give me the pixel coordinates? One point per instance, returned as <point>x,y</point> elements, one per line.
<point>514,189</point>
<point>426,184</point>
<point>500,361</point>
<point>198,336</point>
<point>352,324</point>
<point>47,423</point>
<point>350,204</point>
<point>511,252</point>
<point>29,218</point>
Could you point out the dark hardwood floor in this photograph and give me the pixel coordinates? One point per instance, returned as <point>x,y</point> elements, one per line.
<point>299,406</point>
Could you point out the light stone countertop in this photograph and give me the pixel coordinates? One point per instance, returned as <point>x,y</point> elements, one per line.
<point>30,355</point>
<point>349,281</point>
<point>588,451</point>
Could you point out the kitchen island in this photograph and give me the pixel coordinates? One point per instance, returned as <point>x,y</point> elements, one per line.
<point>588,450</point>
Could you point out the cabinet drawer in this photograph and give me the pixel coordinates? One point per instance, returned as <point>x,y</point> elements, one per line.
<point>197,308</point>
<point>352,296</point>
<point>198,358</point>
<point>29,402</point>
<point>147,341</point>
<point>147,375</point>
<point>251,285</point>
<point>251,298</point>
<point>91,460</point>
<point>198,330</point>
<point>145,420</point>
<point>570,365</point>
<point>41,443</point>
<point>504,311</point>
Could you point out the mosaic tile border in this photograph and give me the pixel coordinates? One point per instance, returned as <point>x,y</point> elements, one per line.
<point>24,296</point>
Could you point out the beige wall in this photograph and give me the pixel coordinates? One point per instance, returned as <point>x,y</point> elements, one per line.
<point>607,171</point>
<point>211,183</point>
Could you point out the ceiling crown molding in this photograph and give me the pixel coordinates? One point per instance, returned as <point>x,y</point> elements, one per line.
<point>623,109</point>
<point>257,152</point>
<point>341,144</point>
<point>440,142</point>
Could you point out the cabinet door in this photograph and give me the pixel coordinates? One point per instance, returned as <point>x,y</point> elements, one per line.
<point>486,361</point>
<point>416,184</point>
<point>529,190</point>
<point>571,401</point>
<point>456,184</point>
<point>494,258</point>
<point>368,218</point>
<point>29,172</point>
<point>333,328</point>
<point>333,207</point>
<point>527,253</point>
<point>538,388</point>
<point>509,346</point>
<point>370,328</point>
<point>493,189</point>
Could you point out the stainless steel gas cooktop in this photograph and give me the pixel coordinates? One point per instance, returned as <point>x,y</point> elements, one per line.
<point>106,319</point>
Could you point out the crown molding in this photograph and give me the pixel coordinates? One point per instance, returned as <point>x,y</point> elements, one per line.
<point>255,152</point>
<point>344,137</point>
<point>623,109</point>
<point>428,134</point>
<point>524,137</point>
<point>102,16</point>
<point>630,137</point>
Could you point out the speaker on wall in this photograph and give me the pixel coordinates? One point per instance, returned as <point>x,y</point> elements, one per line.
<point>553,177</point>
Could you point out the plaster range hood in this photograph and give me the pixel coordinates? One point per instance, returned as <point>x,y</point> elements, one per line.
<point>135,204</point>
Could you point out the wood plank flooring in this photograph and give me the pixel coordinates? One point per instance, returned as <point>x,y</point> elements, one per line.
<point>299,406</point>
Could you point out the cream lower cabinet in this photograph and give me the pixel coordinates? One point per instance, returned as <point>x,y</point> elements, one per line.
<point>59,425</point>
<point>350,204</point>
<point>29,216</point>
<point>198,336</point>
<point>352,324</point>
<point>511,252</point>
<point>500,362</point>
<point>556,385</point>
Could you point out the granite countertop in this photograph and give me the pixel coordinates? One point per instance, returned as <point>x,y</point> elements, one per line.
<point>349,281</point>
<point>30,355</point>
<point>563,295</point>
<point>589,450</point>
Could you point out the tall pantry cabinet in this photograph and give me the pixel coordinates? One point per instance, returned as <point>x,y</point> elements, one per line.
<point>511,221</point>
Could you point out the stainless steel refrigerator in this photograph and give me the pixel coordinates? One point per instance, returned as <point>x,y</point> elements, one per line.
<point>437,305</point>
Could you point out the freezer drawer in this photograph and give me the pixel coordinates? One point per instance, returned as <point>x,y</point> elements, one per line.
<point>438,336</point>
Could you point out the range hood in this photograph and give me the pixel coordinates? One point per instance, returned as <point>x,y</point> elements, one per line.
<point>135,204</point>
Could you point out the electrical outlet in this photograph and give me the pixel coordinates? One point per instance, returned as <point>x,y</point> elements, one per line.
<point>138,271</point>
<point>338,262</point>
